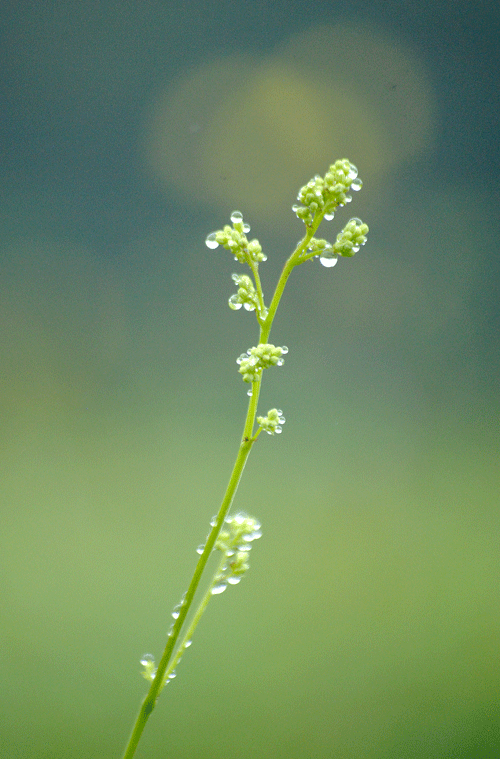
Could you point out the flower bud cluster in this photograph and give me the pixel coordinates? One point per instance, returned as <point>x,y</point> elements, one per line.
<point>352,237</point>
<point>235,239</point>
<point>272,422</point>
<point>235,541</point>
<point>258,358</point>
<point>246,295</point>
<point>325,194</point>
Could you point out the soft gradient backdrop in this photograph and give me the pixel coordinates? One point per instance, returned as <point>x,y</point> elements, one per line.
<point>368,626</point>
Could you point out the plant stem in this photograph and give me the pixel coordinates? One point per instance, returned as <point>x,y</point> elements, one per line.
<point>246,444</point>
<point>150,700</point>
<point>196,617</point>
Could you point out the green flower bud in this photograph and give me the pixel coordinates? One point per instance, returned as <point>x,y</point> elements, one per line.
<point>258,358</point>
<point>246,295</point>
<point>235,239</point>
<point>352,237</point>
<point>235,543</point>
<point>272,422</point>
<point>325,194</point>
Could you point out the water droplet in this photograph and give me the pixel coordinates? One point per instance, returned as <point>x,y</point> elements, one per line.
<point>246,228</point>
<point>250,392</point>
<point>233,580</point>
<point>280,362</point>
<point>147,659</point>
<point>172,675</point>
<point>213,521</point>
<point>249,306</point>
<point>278,430</point>
<point>348,198</point>
<point>328,259</point>
<point>200,549</point>
<point>219,588</point>
<point>188,643</point>
<point>353,171</point>
<point>211,242</point>
<point>236,217</point>
<point>355,220</point>
<point>284,350</point>
<point>328,216</point>
<point>356,184</point>
<point>235,303</point>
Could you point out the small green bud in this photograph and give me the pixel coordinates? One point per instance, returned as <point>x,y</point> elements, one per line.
<point>258,358</point>
<point>149,667</point>
<point>352,237</point>
<point>325,194</point>
<point>235,239</point>
<point>272,422</point>
<point>246,295</point>
<point>235,543</point>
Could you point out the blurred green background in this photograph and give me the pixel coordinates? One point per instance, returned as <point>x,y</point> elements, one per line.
<point>369,623</point>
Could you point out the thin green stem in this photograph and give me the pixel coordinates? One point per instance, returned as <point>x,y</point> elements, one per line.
<point>150,700</point>
<point>196,617</point>
<point>296,258</point>
<point>254,267</point>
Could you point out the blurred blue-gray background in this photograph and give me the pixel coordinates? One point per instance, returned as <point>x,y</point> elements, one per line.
<point>368,626</point>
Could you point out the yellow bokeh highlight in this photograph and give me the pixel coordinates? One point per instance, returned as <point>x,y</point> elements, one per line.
<point>239,131</point>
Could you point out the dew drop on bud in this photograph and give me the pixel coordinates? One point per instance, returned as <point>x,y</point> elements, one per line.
<point>211,242</point>
<point>356,185</point>
<point>219,588</point>
<point>353,171</point>
<point>284,350</point>
<point>236,217</point>
<point>328,260</point>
